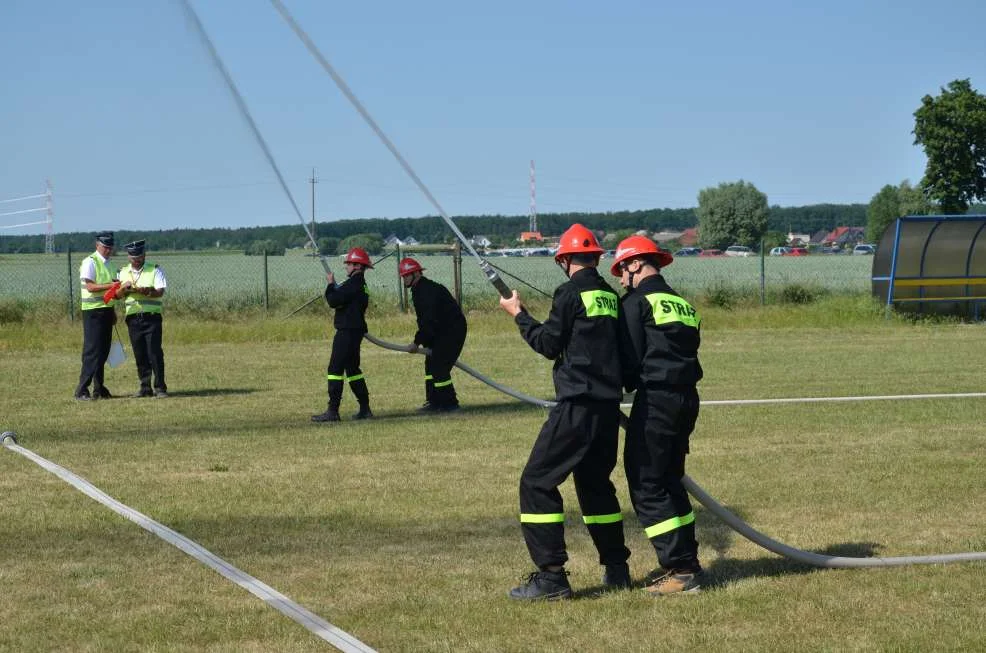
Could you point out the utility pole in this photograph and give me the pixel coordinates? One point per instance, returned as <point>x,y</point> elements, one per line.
<point>313,181</point>
<point>533,226</point>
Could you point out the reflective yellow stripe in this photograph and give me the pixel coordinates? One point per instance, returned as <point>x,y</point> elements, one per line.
<point>428,377</point>
<point>600,303</point>
<point>671,308</point>
<point>354,378</point>
<point>669,525</point>
<point>335,377</point>
<point>442,384</point>
<point>550,518</point>
<point>602,519</point>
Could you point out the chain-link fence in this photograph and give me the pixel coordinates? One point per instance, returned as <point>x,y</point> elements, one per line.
<point>210,283</point>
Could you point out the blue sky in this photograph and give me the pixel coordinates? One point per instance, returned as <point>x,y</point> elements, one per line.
<point>622,105</point>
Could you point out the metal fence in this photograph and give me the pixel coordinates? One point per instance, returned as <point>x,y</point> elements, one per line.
<point>224,281</point>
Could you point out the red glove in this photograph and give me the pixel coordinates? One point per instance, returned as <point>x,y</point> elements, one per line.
<point>110,294</point>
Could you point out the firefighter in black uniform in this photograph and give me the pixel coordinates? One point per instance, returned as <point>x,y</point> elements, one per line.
<point>349,300</point>
<point>98,318</point>
<point>662,339</point>
<point>441,328</point>
<point>580,436</point>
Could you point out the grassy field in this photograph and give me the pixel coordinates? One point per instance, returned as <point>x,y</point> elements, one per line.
<point>403,530</point>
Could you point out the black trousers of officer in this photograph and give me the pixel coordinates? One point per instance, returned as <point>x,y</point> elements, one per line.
<point>439,390</point>
<point>344,364</point>
<point>579,438</point>
<point>145,338</point>
<point>654,458</point>
<point>97,336</point>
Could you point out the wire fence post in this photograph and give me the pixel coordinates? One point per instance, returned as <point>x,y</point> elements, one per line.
<point>401,290</point>
<point>457,271</point>
<point>266,284</point>
<point>71,297</point>
<point>763,276</point>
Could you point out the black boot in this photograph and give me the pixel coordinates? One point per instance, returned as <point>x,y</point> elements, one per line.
<point>543,586</point>
<point>617,577</point>
<point>330,415</point>
<point>364,412</point>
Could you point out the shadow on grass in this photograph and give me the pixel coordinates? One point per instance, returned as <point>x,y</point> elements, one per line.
<point>464,409</point>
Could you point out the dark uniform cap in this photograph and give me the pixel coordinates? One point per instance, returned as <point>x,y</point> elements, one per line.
<point>105,238</point>
<point>136,248</point>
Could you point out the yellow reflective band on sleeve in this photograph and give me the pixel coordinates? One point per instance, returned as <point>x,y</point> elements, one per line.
<point>671,308</point>
<point>602,519</point>
<point>669,525</point>
<point>550,518</point>
<point>442,384</point>
<point>600,303</point>
<point>428,377</point>
<point>335,377</point>
<point>354,378</point>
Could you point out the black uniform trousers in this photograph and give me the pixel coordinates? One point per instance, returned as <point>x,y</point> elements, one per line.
<point>654,458</point>
<point>344,365</point>
<point>145,338</point>
<point>579,438</point>
<point>439,390</point>
<point>97,336</point>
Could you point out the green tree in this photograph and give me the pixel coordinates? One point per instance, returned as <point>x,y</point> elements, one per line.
<point>892,202</point>
<point>952,130</point>
<point>372,243</point>
<point>731,214</point>
<point>328,244</point>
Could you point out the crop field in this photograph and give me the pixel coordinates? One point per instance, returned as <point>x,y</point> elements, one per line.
<point>233,280</point>
<point>402,530</point>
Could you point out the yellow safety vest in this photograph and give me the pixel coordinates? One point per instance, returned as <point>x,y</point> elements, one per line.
<point>91,300</point>
<point>137,303</point>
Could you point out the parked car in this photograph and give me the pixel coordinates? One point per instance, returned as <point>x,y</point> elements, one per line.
<point>688,251</point>
<point>797,251</point>
<point>738,250</point>
<point>864,250</point>
<point>780,251</point>
<point>710,252</point>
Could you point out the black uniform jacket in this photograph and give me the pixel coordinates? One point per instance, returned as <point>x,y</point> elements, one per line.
<point>350,300</point>
<point>437,311</point>
<point>662,337</point>
<point>581,335</point>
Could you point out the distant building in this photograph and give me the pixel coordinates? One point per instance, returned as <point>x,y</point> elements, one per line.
<point>689,237</point>
<point>666,236</point>
<point>798,240</point>
<point>480,241</point>
<point>845,236</point>
<point>527,236</point>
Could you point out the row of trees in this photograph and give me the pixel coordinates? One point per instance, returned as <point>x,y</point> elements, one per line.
<point>501,230</point>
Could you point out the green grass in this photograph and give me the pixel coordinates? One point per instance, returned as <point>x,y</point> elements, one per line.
<point>403,531</point>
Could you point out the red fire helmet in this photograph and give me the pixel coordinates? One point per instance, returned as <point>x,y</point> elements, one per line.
<point>408,266</point>
<point>358,255</point>
<point>577,240</point>
<point>639,246</point>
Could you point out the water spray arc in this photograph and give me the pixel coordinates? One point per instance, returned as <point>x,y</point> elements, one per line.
<point>217,61</point>
<point>488,271</point>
